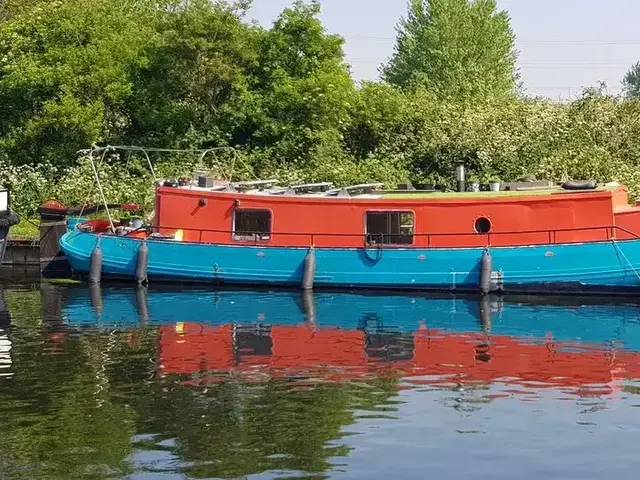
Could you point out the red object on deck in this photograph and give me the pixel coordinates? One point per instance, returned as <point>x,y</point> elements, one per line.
<point>53,204</point>
<point>130,207</point>
<point>95,226</point>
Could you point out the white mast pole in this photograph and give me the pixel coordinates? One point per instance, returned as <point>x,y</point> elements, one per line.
<point>95,173</point>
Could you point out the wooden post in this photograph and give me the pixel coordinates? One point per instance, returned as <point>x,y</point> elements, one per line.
<point>53,263</point>
<point>4,234</point>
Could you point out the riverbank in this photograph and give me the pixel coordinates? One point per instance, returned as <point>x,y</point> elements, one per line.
<point>21,253</point>
<point>26,230</point>
<point>23,247</point>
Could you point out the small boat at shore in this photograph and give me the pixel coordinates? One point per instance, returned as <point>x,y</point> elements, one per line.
<point>571,238</point>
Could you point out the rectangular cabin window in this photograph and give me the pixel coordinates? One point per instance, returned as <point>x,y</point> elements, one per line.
<point>390,228</point>
<point>251,225</point>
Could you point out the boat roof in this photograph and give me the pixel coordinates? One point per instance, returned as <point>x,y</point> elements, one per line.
<point>556,190</point>
<point>375,191</point>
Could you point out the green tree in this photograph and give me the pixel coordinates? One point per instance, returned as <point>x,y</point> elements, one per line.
<point>305,88</point>
<point>457,49</point>
<point>631,81</point>
<point>65,71</point>
<point>194,90</point>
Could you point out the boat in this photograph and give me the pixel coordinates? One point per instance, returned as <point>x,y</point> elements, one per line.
<point>571,238</point>
<point>7,220</point>
<point>580,343</point>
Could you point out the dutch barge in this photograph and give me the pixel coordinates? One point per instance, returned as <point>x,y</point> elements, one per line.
<point>552,239</point>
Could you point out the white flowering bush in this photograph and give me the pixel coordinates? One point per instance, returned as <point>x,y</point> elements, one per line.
<point>124,179</point>
<point>32,185</point>
<point>77,185</point>
<point>29,185</point>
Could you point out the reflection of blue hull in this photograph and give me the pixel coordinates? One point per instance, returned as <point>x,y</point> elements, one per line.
<point>599,323</point>
<point>575,267</point>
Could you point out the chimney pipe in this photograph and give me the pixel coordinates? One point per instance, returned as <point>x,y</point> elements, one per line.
<point>460,177</point>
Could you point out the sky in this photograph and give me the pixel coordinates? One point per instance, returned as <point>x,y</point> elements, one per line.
<point>564,45</point>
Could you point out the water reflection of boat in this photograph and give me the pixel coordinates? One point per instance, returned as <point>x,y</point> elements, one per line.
<point>5,341</point>
<point>343,336</point>
<point>4,311</point>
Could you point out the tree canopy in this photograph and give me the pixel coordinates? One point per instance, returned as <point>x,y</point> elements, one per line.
<point>631,81</point>
<point>456,49</point>
<point>169,73</point>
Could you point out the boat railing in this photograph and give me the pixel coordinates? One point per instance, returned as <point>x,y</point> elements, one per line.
<point>348,191</point>
<point>380,240</point>
<point>307,188</point>
<point>254,185</point>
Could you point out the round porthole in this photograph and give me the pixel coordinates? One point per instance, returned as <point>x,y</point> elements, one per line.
<point>483,225</point>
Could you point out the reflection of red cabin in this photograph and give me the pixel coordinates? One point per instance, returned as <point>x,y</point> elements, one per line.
<point>303,349</point>
<point>335,355</point>
<point>507,359</point>
<point>194,348</point>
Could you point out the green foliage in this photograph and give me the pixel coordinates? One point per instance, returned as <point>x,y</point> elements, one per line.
<point>29,185</point>
<point>457,49</point>
<point>65,71</point>
<point>26,229</point>
<point>194,87</point>
<point>631,81</point>
<point>304,88</point>
<point>197,74</point>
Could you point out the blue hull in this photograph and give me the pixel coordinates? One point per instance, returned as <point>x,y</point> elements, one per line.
<point>596,266</point>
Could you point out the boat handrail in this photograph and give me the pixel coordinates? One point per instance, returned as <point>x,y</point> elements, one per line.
<point>311,186</point>
<point>303,188</point>
<point>253,184</point>
<point>552,234</point>
<point>346,191</point>
<point>214,188</point>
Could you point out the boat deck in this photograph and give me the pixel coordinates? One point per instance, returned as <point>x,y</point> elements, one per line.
<point>417,194</point>
<point>376,191</point>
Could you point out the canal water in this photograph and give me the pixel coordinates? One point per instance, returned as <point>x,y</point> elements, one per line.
<point>122,382</point>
